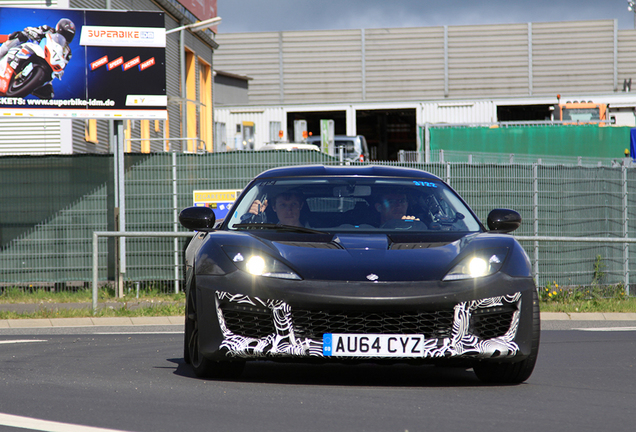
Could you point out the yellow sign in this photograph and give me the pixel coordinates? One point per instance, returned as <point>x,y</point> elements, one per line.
<point>214,196</point>
<point>220,200</point>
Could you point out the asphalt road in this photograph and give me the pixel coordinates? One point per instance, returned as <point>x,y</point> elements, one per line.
<point>134,379</point>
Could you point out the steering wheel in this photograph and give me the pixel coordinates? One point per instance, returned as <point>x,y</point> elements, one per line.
<point>404,224</point>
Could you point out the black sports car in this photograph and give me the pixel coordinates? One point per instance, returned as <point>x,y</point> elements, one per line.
<point>358,263</point>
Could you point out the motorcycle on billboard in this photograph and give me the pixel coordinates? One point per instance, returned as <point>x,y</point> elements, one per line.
<point>28,68</point>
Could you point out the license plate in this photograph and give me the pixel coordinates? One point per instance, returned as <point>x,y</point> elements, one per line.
<point>372,345</point>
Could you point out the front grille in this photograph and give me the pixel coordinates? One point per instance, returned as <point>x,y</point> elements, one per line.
<point>248,321</point>
<point>313,324</point>
<point>488,324</point>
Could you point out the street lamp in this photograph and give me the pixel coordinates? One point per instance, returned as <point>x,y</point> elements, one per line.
<point>197,26</point>
<point>203,25</point>
<point>631,6</point>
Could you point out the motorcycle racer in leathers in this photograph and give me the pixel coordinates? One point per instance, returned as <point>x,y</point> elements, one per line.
<point>64,27</point>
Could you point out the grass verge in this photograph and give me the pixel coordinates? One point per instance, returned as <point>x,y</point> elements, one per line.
<point>17,303</point>
<point>46,304</point>
<point>593,298</point>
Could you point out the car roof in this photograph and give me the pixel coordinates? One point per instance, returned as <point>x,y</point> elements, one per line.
<point>346,170</point>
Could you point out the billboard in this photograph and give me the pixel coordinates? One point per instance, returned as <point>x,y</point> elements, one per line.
<point>113,67</point>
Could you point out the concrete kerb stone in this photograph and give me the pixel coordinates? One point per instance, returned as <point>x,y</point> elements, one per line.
<point>179,320</point>
<point>90,322</point>
<point>150,321</point>
<point>71,322</point>
<point>30,323</point>
<point>588,316</point>
<point>554,316</point>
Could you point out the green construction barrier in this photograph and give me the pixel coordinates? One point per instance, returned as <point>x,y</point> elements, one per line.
<point>559,140</point>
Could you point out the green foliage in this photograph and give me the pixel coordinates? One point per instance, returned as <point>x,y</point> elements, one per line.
<point>125,310</point>
<point>152,301</point>
<point>593,298</point>
<point>151,292</point>
<point>598,275</point>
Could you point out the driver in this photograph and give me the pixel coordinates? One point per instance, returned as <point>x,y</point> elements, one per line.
<point>286,205</point>
<point>393,206</point>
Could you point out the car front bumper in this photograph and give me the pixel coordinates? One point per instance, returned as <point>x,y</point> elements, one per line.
<point>246,317</point>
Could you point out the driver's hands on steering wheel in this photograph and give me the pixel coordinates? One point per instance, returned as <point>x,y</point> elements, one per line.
<point>258,207</point>
<point>413,218</point>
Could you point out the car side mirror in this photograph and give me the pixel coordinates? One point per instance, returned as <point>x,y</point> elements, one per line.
<point>503,220</point>
<point>197,218</point>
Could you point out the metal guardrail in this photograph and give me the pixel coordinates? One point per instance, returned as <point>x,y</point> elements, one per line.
<point>624,241</point>
<point>470,157</point>
<point>121,234</point>
<point>195,141</point>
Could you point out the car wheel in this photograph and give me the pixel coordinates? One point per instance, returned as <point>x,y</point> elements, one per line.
<point>203,367</point>
<point>513,373</point>
<point>189,328</point>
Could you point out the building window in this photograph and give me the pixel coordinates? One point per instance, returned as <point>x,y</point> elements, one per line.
<point>205,99</point>
<point>275,131</point>
<point>144,132</point>
<point>220,137</point>
<point>90,131</point>
<point>191,103</point>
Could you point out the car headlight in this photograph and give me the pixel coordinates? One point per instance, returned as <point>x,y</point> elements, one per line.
<point>478,264</point>
<point>259,264</point>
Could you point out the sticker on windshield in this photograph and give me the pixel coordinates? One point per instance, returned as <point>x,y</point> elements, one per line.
<point>424,183</point>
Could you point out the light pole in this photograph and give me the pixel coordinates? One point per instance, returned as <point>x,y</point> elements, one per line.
<point>631,6</point>
<point>197,26</point>
<point>200,25</point>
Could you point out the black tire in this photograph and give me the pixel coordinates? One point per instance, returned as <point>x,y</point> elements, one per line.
<point>202,366</point>
<point>188,332</point>
<point>514,373</point>
<point>23,86</point>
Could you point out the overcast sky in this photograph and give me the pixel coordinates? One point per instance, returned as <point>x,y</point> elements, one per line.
<point>276,15</point>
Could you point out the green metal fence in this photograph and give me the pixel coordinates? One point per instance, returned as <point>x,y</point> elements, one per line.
<point>548,139</point>
<point>554,200</point>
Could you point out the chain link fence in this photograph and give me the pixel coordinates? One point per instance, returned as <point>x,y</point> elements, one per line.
<point>560,200</point>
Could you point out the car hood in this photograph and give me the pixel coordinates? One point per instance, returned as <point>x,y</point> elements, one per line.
<point>375,257</point>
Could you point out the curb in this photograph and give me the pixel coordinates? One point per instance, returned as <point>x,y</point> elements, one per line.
<point>588,316</point>
<point>89,322</point>
<point>178,320</point>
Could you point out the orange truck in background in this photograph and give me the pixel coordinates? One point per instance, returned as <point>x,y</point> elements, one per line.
<point>581,112</point>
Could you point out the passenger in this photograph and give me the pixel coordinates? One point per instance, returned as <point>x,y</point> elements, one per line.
<point>393,206</point>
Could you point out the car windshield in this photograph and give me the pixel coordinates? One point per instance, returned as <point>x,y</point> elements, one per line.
<point>351,204</point>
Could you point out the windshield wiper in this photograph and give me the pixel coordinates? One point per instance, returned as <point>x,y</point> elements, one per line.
<point>276,227</point>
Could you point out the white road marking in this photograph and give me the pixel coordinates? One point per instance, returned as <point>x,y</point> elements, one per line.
<point>607,329</point>
<point>21,341</point>
<point>47,426</point>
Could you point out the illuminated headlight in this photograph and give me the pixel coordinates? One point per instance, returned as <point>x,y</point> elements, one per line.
<point>481,263</point>
<point>259,264</point>
<point>255,265</point>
